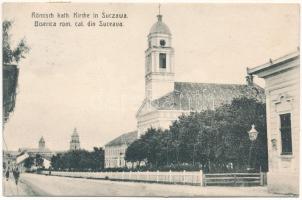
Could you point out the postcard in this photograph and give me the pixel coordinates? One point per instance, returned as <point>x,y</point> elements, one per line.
<point>151,99</point>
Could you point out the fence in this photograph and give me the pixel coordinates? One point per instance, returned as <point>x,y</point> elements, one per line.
<point>235,179</point>
<point>184,177</point>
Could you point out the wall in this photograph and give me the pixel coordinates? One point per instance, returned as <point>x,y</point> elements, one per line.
<point>115,156</point>
<point>157,119</point>
<point>282,92</point>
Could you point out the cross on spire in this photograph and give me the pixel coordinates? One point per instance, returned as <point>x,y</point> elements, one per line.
<point>159,16</point>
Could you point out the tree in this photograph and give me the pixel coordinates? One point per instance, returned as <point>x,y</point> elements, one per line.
<point>233,122</point>
<point>10,72</point>
<point>29,162</point>
<point>79,160</point>
<point>98,157</point>
<point>56,161</point>
<point>136,152</point>
<point>211,139</point>
<point>154,148</point>
<point>39,160</point>
<point>12,54</point>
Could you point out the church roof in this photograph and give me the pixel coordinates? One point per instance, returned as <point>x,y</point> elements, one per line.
<point>160,27</point>
<point>203,96</point>
<point>34,150</point>
<point>126,138</point>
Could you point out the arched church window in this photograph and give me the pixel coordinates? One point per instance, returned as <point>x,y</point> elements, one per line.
<point>162,60</point>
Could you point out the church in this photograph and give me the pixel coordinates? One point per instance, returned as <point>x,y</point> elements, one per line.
<point>41,150</point>
<point>74,141</point>
<point>166,99</point>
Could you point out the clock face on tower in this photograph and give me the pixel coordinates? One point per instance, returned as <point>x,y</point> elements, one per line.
<point>162,43</point>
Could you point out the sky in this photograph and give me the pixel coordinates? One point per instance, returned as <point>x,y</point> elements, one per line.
<point>92,78</point>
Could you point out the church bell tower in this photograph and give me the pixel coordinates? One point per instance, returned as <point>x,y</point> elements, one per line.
<point>75,141</point>
<point>41,144</point>
<point>159,65</point>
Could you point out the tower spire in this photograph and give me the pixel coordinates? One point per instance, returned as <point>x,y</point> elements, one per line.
<point>159,16</point>
<point>75,140</point>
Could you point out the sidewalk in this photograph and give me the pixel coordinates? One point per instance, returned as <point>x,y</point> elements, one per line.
<point>11,189</point>
<point>67,186</point>
<point>41,185</point>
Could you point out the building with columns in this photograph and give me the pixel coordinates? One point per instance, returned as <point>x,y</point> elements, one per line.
<point>282,79</point>
<point>75,141</point>
<point>166,99</point>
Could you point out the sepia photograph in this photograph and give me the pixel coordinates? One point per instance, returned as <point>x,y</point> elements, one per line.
<point>150,99</point>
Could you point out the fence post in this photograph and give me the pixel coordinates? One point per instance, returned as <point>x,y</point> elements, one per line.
<point>123,173</point>
<point>130,175</point>
<point>201,178</point>
<point>170,176</point>
<point>261,178</point>
<point>184,176</point>
<point>148,178</point>
<point>157,174</point>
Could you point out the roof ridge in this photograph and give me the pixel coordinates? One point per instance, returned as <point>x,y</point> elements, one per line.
<point>123,138</point>
<point>165,95</point>
<point>207,83</point>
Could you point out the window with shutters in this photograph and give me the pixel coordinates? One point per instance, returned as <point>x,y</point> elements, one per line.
<point>286,134</point>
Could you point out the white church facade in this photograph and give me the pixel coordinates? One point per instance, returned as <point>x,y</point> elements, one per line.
<point>165,99</point>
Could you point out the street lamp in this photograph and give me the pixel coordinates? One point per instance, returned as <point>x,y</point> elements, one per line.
<point>253,133</point>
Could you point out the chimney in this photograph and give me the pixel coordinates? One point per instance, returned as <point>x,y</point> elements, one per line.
<point>249,80</point>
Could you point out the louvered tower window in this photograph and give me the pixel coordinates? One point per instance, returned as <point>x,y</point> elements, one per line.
<point>162,60</point>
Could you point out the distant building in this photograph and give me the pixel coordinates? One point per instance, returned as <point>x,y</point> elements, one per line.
<point>20,160</point>
<point>42,143</point>
<point>41,150</point>
<point>282,79</point>
<point>115,150</point>
<point>75,141</point>
<point>165,99</point>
